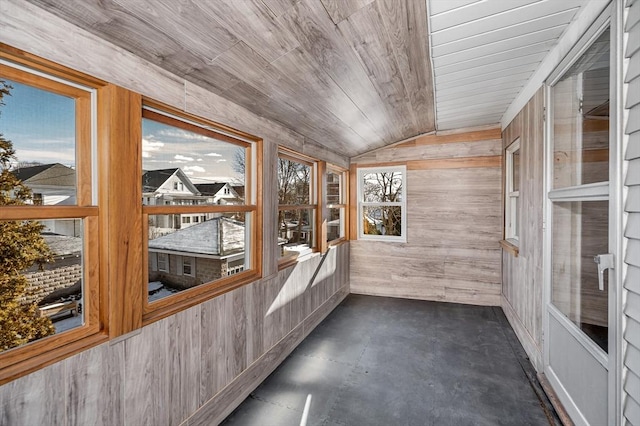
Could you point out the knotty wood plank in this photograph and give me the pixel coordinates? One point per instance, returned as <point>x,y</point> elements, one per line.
<point>456,163</point>
<point>146,382</point>
<point>365,32</point>
<point>95,386</point>
<point>253,23</point>
<point>407,29</point>
<point>315,31</point>
<point>183,353</point>
<point>36,399</point>
<point>235,331</point>
<point>340,10</point>
<point>213,350</point>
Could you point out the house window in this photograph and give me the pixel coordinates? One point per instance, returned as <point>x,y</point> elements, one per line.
<point>382,204</point>
<point>297,205</point>
<point>188,266</point>
<point>163,262</point>
<point>336,203</point>
<point>50,249</point>
<point>213,233</point>
<point>512,191</point>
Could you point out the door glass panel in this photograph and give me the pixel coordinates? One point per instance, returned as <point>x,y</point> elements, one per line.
<point>581,231</point>
<point>581,119</point>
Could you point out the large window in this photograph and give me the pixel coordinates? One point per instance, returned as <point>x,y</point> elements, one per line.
<point>297,205</point>
<point>512,192</point>
<point>382,204</point>
<point>199,208</point>
<point>49,276</point>
<point>336,203</point>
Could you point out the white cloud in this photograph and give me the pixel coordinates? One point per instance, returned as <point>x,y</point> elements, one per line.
<point>188,173</point>
<point>151,145</point>
<point>194,169</point>
<point>183,158</point>
<point>221,161</point>
<point>199,159</point>
<point>213,154</point>
<point>145,154</point>
<point>182,134</point>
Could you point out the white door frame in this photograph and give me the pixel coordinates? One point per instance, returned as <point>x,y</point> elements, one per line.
<point>611,17</point>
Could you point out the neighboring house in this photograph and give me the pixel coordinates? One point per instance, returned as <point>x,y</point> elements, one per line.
<point>61,277</point>
<point>221,193</point>
<point>171,187</point>
<point>53,185</point>
<point>201,253</point>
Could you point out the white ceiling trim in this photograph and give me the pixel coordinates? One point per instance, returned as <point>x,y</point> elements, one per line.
<point>584,18</point>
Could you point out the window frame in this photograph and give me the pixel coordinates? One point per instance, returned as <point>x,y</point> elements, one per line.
<point>315,205</point>
<point>50,77</point>
<point>402,203</point>
<point>512,197</point>
<point>166,306</point>
<point>343,205</point>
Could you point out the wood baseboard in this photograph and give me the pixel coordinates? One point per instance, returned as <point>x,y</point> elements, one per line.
<point>526,340</point>
<point>553,398</point>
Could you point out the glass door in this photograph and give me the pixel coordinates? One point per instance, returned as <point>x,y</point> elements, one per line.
<point>577,337</point>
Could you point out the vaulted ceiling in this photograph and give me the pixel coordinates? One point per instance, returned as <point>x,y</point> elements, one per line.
<point>352,75</point>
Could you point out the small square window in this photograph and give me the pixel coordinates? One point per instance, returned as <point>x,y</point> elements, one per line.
<point>382,204</point>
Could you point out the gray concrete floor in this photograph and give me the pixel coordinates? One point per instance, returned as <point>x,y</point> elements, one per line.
<point>384,361</point>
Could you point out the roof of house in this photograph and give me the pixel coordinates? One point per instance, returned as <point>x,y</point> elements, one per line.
<point>210,188</point>
<point>62,245</point>
<point>47,174</point>
<point>153,179</point>
<point>218,236</point>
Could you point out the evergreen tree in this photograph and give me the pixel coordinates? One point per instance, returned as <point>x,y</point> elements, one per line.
<point>21,246</point>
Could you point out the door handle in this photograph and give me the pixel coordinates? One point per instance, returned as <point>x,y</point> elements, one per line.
<point>604,262</point>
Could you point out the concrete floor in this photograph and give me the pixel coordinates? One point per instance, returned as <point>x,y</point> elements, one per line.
<point>383,361</point>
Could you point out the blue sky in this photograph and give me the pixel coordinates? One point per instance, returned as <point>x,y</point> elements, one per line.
<point>40,124</point>
<point>202,158</point>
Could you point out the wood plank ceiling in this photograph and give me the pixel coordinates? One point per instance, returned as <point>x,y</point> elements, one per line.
<point>352,75</point>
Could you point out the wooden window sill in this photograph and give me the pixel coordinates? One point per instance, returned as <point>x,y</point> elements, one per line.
<point>510,247</point>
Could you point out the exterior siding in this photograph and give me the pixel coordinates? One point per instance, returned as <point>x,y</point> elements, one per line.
<point>631,375</point>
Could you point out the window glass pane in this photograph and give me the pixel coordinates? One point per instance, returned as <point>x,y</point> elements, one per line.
<point>185,255</point>
<point>516,170</point>
<point>335,225</point>
<point>295,231</point>
<point>580,231</point>
<point>382,187</point>
<point>181,167</point>
<point>334,188</point>
<point>41,128</point>
<point>294,182</point>
<point>581,119</point>
<point>41,279</point>
<point>382,220</point>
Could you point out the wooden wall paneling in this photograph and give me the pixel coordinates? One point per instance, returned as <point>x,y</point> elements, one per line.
<point>184,363</point>
<point>522,276</point>
<point>339,10</point>
<point>293,88</point>
<point>255,313</point>
<point>365,31</point>
<point>408,34</point>
<point>236,331</point>
<point>95,392</point>
<point>32,29</point>
<point>36,399</point>
<point>213,347</point>
<point>314,80</point>
<point>315,31</point>
<point>146,382</point>
<point>252,23</point>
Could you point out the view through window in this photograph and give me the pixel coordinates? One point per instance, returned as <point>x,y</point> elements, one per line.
<point>381,203</point>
